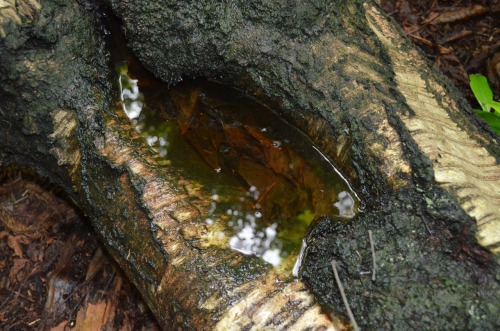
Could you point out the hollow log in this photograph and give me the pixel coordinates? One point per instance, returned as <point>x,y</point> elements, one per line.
<point>426,168</point>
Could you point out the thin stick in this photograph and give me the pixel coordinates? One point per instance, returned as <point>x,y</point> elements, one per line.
<point>344,298</point>
<point>427,227</point>
<point>374,259</point>
<point>263,195</point>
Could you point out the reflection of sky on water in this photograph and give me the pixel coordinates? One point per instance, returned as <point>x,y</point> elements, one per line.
<point>133,104</point>
<point>130,95</point>
<point>249,240</point>
<point>248,236</point>
<point>345,204</point>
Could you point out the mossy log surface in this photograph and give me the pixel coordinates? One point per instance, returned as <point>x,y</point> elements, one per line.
<point>425,166</point>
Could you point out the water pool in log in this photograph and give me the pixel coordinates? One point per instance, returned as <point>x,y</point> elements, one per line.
<point>266,179</point>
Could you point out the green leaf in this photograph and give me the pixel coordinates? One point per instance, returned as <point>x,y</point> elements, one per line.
<point>493,119</point>
<point>495,105</point>
<point>481,90</point>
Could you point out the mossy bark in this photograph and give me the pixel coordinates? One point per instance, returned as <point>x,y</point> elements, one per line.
<point>426,168</point>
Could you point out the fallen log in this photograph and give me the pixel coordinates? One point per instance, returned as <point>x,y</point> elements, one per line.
<point>425,166</point>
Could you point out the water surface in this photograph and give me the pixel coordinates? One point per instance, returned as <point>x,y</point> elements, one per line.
<point>265,180</point>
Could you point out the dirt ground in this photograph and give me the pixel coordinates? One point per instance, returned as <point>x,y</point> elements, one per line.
<point>54,273</point>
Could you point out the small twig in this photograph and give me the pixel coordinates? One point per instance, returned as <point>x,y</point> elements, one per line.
<point>263,195</point>
<point>21,199</point>
<point>7,299</point>
<point>344,298</point>
<point>427,227</point>
<point>374,259</point>
<point>456,36</point>
<point>421,39</point>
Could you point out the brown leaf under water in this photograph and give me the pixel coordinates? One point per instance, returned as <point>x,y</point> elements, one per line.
<point>228,137</point>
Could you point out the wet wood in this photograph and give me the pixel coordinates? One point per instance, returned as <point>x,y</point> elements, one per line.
<point>336,85</point>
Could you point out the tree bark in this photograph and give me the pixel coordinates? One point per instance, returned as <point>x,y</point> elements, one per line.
<point>341,72</point>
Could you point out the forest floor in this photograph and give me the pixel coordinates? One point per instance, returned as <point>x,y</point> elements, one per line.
<point>460,37</point>
<point>54,273</point>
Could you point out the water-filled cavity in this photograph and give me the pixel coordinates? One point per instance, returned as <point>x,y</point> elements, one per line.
<point>265,180</point>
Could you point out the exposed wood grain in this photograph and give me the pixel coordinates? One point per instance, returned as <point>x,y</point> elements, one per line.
<point>461,165</point>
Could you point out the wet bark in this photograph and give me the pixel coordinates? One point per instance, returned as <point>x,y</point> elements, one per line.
<point>426,168</point>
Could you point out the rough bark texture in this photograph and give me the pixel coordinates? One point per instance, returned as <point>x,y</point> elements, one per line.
<point>314,60</point>
<point>339,71</point>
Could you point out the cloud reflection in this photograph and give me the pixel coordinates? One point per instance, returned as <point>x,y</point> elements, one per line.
<point>248,234</point>
<point>345,204</point>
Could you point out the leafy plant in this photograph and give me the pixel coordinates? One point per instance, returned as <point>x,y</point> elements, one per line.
<point>490,111</point>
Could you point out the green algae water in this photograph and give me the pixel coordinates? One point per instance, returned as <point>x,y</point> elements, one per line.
<point>265,179</point>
